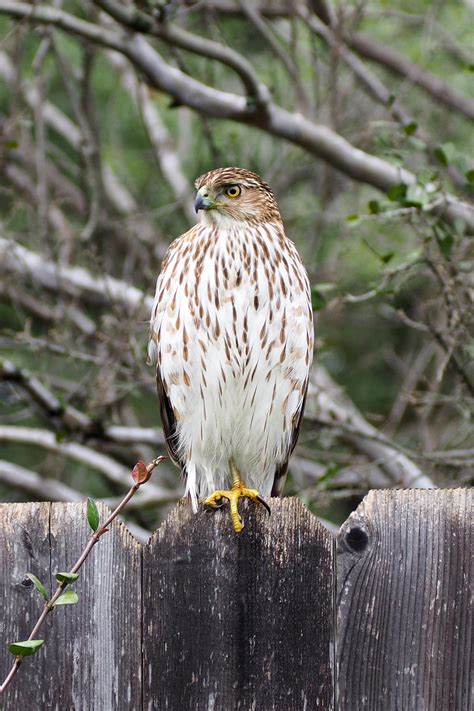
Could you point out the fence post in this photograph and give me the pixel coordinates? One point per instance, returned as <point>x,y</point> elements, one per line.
<point>404,561</point>
<point>239,621</point>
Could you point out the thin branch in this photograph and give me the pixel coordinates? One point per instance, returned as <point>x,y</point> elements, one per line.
<point>71,420</point>
<point>438,89</point>
<point>283,56</point>
<point>51,212</point>
<point>159,136</point>
<point>44,489</point>
<point>140,478</point>
<point>117,194</point>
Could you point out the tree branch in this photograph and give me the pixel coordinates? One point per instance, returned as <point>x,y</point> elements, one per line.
<point>135,19</point>
<point>160,139</point>
<point>110,468</point>
<point>75,281</point>
<point>71,420</point>
<point>314,138</point>
<point>398,64</point>
<point>328,403</point>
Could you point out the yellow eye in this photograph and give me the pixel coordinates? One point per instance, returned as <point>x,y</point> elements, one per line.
<point>233,191</point>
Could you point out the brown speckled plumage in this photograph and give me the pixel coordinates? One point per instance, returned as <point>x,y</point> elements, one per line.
<point>232,334</point>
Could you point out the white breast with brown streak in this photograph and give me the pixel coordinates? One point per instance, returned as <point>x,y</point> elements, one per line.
<point>232,334</point>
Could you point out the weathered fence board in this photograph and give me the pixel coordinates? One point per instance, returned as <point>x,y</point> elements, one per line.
<point>239,622</point>
<point>91,658</point>
<point>201,618</point>
<point>24,548</point>
<point>404,563</point>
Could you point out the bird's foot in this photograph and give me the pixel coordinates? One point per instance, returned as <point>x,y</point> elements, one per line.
<point>238,491</point>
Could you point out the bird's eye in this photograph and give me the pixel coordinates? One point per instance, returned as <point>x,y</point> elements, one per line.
<point>233,191</point>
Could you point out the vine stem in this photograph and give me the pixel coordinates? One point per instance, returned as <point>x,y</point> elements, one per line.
<point>141,474</point>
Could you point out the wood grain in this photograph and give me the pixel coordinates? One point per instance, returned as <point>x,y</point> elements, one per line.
<point>239,621</point>
<point>404,562</point>
<point>24,548</point>
<point>91,658</point>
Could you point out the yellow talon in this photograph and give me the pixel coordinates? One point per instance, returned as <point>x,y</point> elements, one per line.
<point>239,490</point>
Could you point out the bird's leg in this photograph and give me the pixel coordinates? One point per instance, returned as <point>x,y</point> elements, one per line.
<point>233,495</point>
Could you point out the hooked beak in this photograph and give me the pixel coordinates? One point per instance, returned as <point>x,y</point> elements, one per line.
<point>203,203</point>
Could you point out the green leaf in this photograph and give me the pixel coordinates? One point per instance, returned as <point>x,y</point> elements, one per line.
<point>416,143</point>
<point>426,175</point>
<point>387,257</point>
<point>440,156</point>
<point>25,649</point>
<point>92,514</point>
<point>446,153</point>
<point>68,598</point>
<point>66,577</point>
<point>317,300</point>
<point>330,472</point>
<point>470,176</point>
<point>38,585</point>
<point>410,128</point>
<point>417,196</point>
<point>446,242</point>
<point>374,207</point>
<point>352,218</point>
<point>397,192</point>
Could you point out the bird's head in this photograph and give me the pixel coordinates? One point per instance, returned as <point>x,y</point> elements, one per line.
<point>229,195</point>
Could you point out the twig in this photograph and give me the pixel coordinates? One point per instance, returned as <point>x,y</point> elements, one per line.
<point>45,489</point>
<point>141,474</point>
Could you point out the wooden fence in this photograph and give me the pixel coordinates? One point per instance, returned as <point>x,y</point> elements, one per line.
<point>283,617</point>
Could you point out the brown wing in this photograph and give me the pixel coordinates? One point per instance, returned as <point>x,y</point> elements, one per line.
<point>168,421</point>
<point>282,469</point>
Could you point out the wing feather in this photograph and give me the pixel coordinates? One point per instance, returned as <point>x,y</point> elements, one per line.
<point>282,469</point>
<point>168,421</point>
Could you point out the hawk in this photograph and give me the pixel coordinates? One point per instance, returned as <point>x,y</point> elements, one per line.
<point>231,332</point>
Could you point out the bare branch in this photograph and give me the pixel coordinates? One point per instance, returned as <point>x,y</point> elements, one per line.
<point>109,467</point>
<point>75,281</point>
<point>70,419</point>
<point>137,20</point>
<point>118,196</point>
<point>33,483</point>
<point>328,403</point>
<point>160,139</point>
<point>44,489</point>
<point>397,63</point>
<point>259,22</point>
